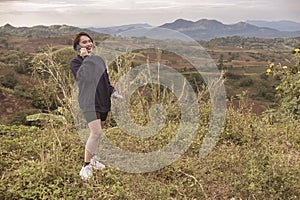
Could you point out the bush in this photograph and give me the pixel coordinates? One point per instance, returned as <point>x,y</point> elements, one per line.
<point>246,82</point>
<point>19,61</point>
<point>44,97</point>
<point>55,80</point>
<point>230,75</point>
<point>9,80</point>
<point>288,90</point>
<point>20,117</point>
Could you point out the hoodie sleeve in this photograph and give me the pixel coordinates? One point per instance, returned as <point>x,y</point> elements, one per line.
<point>75,65</point>
<point>90,69</point>
<point>110,87</point>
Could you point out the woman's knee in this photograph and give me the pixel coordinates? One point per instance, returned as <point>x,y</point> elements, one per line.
<point>96,134</point>
<point>95,128</point>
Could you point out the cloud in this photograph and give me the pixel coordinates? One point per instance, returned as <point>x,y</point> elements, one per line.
<point>155,12</point>
<point>8,1</point>
<point>29,5</point>
<point>32,4</point>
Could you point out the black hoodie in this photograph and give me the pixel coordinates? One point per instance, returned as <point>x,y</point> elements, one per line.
<point>93,83</point>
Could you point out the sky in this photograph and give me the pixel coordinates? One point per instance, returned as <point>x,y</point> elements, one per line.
<point>104,13</point>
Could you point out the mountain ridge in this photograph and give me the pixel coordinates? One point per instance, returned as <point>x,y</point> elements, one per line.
<point>205,29</point>
<point>202,29</point>
<point>281,25</point>
<point>44,31</point>
<point>118,29</point>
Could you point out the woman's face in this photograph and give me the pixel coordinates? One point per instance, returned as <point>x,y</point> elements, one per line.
<point>85,42</point>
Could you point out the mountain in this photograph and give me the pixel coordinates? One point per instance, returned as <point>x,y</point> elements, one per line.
<point>205,29</point>
<point>283,25</point>
<point>118,29</point>
<point>44,31</point>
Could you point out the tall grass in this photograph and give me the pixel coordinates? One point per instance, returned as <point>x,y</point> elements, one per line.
<point>254,159</point>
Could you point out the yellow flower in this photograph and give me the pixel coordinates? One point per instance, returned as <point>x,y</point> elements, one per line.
<point>269,70</point>
<point>297,50</point>
<point>298,72</point>
<point>284,67</point>
<point>271,65</point>
<point>277,88</point>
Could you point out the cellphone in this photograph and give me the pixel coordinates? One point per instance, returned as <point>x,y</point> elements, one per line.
<point>78,47</point>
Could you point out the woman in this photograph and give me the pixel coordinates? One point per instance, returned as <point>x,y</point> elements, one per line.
<point>93,97</point>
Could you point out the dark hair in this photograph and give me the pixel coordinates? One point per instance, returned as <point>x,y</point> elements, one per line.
<point>77,38</point>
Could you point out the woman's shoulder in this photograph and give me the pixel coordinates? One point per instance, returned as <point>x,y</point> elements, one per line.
<point>76,62</point>
<point>97,59</point>
<point>77,59</point>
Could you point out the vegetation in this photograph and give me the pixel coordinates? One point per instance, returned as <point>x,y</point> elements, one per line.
<point>288,90</point>
<point>252,160</point>
<point>256,157</point>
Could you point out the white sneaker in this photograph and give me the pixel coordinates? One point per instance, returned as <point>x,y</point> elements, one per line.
<point>96,164</point>
<point>86,172</point>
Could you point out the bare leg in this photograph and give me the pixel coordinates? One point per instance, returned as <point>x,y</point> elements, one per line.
<point>93,140</point>
<point>102,124</point>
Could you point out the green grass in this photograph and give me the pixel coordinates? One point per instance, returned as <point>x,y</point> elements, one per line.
<point>255,158</point>
<point>252,160</point>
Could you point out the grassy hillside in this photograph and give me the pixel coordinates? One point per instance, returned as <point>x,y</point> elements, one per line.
<point>252,160</point>
<point>256,156</point>
<point>245,66</point>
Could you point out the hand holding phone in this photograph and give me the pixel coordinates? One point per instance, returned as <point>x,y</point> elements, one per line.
<point>82,52</point>
<point>78,47</point>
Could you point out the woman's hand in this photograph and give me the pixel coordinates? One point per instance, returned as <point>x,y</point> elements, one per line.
<point>116,95</point>
<point>84,52</point>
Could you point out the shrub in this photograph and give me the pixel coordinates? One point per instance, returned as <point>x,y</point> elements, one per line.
<point>246,82</point>
<point>288,90</point>
<point>230,75</point>
<point>19,61</point>
<point>44,97</point>
<point>20,117</point>
<point>55,81</point>
<point>9,80</point>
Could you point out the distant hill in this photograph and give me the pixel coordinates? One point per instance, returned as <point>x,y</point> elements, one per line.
<point>44,31</point>
<point>283,25</point>
<point>205,29</point>
<point>118,29</point>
